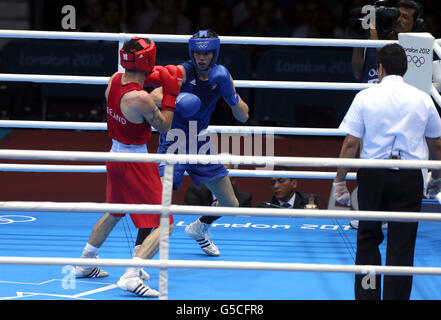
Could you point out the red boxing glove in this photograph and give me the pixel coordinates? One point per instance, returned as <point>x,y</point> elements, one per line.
<point>171,79</point>
<point>153,79</point>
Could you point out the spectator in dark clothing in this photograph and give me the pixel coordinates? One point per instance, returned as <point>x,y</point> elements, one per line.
<point>286,195</point>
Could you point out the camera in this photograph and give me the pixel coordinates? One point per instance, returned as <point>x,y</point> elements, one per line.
<point>385,18</point>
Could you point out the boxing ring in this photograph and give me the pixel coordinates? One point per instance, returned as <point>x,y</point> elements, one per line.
<point>164,263</point>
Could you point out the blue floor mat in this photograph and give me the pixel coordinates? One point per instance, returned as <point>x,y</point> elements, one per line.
<point>316,241</point>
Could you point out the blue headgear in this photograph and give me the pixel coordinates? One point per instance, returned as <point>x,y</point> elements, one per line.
<point>201,43</point>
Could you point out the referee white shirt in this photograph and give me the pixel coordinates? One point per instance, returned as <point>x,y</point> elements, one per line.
<point>392,116</point>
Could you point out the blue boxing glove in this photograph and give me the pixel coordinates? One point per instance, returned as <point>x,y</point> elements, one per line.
<point>187,104</point>
<point>219,75</point>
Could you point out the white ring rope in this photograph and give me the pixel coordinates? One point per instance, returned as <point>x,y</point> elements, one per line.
<point>229,265</point>
<point>275,41</point>
<point>54,78</point>
<point>182,39</point>
<point>7,167</point>
<point>224,159</point>
<point>13,167</point>
<point>435,95</point>
<point>164,209</point>
<point>174,38</point>
<point>91,207</point>
<point>437,48</point>
<point>94,80</point>
<point>67,125</point>
<point>62,125</point>
<point>41,78</point>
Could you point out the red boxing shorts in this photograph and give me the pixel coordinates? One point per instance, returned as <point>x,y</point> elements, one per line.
<point>135,183</point>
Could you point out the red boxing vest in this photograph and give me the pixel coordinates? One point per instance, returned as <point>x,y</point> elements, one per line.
<point>118,127</point>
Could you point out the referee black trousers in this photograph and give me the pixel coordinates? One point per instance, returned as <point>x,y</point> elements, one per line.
<point>387,190</point>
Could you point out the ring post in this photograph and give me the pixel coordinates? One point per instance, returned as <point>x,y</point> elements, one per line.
<point>419,53</point>
<point>122,39</point>
<point>164,232</point>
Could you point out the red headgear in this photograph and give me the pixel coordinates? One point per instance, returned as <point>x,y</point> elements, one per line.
<point>143,60</point>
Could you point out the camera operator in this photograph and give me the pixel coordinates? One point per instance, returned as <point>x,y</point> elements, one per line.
<point>406,16</point>
<point>409,19</point>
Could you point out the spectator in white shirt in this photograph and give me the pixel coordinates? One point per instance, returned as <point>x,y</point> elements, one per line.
<point>392,119</point>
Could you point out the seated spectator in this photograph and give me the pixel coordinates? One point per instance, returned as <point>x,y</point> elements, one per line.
<point>286,195</point>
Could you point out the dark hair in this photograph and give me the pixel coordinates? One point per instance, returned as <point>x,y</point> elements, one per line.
<point>210,34</point>
<point>133,44</point>
<point>394,59</point>
<point>409,4</point>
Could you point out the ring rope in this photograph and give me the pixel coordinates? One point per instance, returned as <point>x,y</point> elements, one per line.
<point>437,47</point>
<point>91,207</point>
<point>435,94</point>
<point>67,125</point>
<point>232,172</point>
<point>228,265</point>
<point>237,83</point>
<point>226,39</point>
<point>165,263</point>
<point>258,84</point>
<point>274,41</point>
<point>222,158</point>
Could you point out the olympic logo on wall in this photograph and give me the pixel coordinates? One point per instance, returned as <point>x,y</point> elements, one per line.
<point>9,219</point>
<point>417,61</point>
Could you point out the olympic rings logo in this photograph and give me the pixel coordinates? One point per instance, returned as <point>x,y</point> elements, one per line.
<point>8,219</point>
<point>202,44</point>
<point>417,61</point>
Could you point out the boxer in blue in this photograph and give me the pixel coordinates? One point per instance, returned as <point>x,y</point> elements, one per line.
<point>203,83</point>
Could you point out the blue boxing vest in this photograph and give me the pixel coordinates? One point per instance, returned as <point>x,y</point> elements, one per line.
<point>208,96</point>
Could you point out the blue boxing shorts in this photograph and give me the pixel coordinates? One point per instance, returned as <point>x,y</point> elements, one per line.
<point>199,173</point>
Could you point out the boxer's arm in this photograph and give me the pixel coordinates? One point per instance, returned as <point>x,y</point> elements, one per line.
<point>156,95</point>
<point>240,111</point>
<point>106,93</point>
<point>171,80</point>
<point>357,62</point>
<point>358,55</point>
<point>159,119</point>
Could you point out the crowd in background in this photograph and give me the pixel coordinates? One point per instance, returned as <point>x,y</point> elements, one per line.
<point>267,18</point>
<point>283,18</point>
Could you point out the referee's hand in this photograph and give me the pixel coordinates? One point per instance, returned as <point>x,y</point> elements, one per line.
<point>433,186</point>
<point>341,193</point>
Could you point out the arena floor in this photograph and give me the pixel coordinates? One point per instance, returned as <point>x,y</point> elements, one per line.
<point>318,241</point>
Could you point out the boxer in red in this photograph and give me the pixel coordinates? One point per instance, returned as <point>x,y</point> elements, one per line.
<point>131,113</point>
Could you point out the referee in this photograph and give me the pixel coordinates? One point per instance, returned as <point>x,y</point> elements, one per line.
<point>392,119</point>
